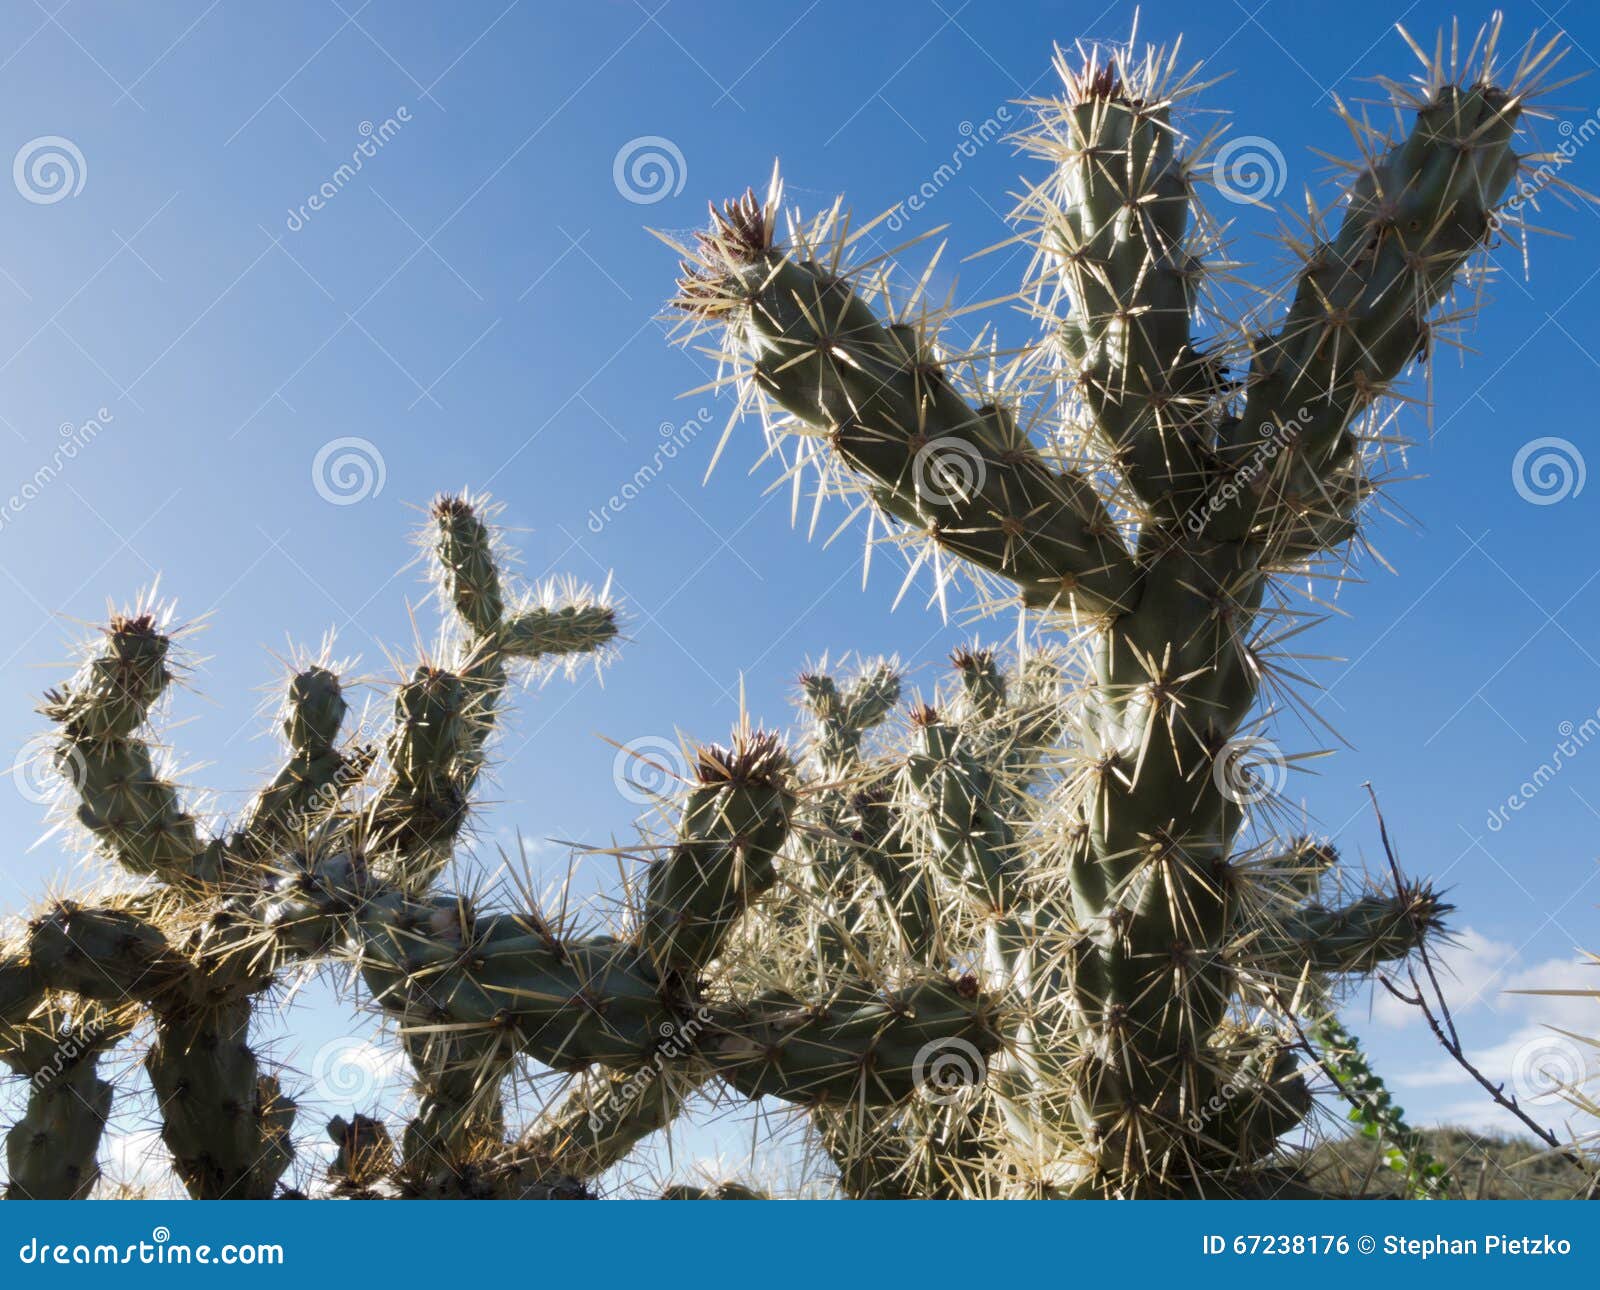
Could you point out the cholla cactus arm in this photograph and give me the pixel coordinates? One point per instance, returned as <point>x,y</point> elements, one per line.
<point>1351,939</point>
<point>445,715</point>
<point>573,1002</point>
<point>459,1109</point>
<point>841,719</point>
<point>1117,245</point>
<point>605,1115</point>
<point>208,1083</point>
<point>970,828</point>
<point>1413,213</point>
<point>1014,720</point>
<point>736,818</point>
<point>316,776</point>
<point>1264,1096</point>
<point>130,808</point>
<point>966,476</point>
<point>863,1043</point>
<point>855,829</point>
<point>51,1151</point>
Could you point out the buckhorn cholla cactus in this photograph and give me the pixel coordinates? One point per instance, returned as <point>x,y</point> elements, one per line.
<point>1151,491</point>
<point>1036,879</point>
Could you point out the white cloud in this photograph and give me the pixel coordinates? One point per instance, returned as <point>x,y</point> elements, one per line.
<point>1478,973</point>
<point>138,1159</point>
<point>1531,1043</point>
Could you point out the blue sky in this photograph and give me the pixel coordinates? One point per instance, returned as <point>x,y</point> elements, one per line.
<point>481,304</point>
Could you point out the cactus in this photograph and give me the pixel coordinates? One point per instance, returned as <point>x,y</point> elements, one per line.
<point>338,860</point>
<point>1006,938</point>
<point>1151,491</point>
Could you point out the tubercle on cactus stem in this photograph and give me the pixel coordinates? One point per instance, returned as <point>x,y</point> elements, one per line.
<point>1151,520</point>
